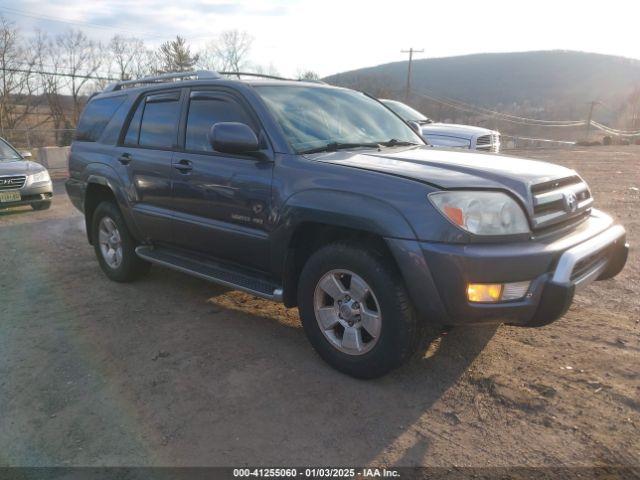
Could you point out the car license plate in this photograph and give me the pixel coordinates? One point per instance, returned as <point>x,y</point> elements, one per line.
<point>10,197</point>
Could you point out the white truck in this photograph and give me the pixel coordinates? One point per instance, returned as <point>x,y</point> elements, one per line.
<point>447,135</point>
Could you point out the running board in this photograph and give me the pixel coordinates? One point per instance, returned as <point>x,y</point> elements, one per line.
<point>223,274</point>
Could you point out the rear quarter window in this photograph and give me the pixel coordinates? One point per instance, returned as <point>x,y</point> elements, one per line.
<point>96,116</point>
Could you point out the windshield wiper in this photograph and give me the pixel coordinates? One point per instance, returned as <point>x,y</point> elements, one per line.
<point>335,146</point>
<point>394,142</point>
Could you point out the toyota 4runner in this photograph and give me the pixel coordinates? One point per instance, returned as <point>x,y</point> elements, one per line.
<point>322,198</point>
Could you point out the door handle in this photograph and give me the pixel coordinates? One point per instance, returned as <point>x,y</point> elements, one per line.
<point>125,158</point>
<point>183,166</point>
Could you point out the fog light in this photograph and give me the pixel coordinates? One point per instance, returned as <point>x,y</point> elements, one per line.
<point>496,292</point>
<point>484,292</point>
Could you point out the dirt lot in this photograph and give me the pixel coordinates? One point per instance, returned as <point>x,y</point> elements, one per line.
<point>175,371</point>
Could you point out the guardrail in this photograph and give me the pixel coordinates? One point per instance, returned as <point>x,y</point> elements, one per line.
<point>512,142</point>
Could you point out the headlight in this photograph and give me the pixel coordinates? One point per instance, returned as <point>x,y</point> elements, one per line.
<point>482,213</point>
<point>42,176</point>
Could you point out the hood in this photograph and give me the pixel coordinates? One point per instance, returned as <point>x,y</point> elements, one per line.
<point>451,169</point>
<point>19,167</point>
<point>455,130</point>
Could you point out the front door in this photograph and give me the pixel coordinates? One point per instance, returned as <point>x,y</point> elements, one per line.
<point>221,201</point>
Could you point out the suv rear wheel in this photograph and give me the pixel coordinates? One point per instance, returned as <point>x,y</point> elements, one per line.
<point>114,245</point>
<point>356,311</point>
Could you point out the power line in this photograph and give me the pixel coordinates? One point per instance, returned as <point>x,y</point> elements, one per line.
<point>45,65</point>
<point>532,121</point>
<point>57,74</point>
<point>411,51</point>
<point>613,131</point>
<point>502,116</point>
<point>514,117</point>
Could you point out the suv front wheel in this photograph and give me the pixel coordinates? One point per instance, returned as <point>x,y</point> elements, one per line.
<point>114,245</point>
<point>356,311</point>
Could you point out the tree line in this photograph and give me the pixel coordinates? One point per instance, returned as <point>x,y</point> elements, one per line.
<point>45,79</point>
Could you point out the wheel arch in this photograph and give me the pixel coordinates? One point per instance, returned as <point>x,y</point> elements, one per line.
<point>102,185</point>
<point>314,218</point>
<point>309,237</point>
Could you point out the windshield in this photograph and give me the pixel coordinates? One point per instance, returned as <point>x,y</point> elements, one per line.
<point>405,111</point>
<point>7,153</point>
<point>314,117</point>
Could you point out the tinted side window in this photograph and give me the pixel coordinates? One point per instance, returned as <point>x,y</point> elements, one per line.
<point>133,132</point>
<point>159,124</point>
<point>96,116</point>
<point>205,109</point>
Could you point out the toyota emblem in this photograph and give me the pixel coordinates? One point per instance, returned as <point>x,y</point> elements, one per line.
<point>570,202</point>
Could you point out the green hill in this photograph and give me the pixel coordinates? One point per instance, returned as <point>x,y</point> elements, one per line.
<point>555,83</point>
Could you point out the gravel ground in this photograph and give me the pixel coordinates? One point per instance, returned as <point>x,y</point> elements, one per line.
<point>175,371</point>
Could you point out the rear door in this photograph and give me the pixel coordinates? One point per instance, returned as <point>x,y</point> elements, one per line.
<point>221,201</point>
<point>145,154</point>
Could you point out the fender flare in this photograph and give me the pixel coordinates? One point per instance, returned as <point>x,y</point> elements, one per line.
<point>340,209</point>
<point>334,209</point>
<point>101,174</point>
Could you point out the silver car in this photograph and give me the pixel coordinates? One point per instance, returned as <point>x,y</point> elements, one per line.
<point>448,135</point>
<point>23,182</point>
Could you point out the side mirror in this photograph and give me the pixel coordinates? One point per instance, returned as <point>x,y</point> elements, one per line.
<point>233,137</point>
<point>415,126</point>
<point>25,154</point>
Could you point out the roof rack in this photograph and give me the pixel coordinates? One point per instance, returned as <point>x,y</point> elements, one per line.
<point>252,74</point>
<point>165,77</point>
<point>271,77</point>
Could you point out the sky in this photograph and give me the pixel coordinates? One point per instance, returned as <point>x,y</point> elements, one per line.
<point>331,36</point>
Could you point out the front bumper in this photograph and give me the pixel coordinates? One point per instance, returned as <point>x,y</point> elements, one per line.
<point>437,274</point>
<point>31,194</point>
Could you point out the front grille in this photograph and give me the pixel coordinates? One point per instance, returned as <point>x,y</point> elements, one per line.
<point>560,201</point>
<point>483,140</point>
<point>13,182</point>
<point>488,143</point>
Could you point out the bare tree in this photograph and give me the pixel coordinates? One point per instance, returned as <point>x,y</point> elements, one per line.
<point>308,75</point>
<point>49,63</point>
<point>129,58</point>
<point>229,52</point>
<point>208,57</point>
<point>80,58</point>
<point>175,56</point>
<point>268,70</point>
<point>17,78</point>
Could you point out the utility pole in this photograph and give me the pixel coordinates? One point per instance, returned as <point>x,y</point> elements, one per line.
<point>411,51</point>
<point>588,126</point>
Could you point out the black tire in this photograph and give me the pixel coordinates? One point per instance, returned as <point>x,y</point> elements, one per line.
<point>132,267</point>
<point>41,205</point>
<point>401,330</point>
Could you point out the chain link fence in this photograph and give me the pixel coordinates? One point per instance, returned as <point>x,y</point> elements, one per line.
<point>27,139</point>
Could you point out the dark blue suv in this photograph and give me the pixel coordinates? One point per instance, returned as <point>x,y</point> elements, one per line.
<point>324,199</point>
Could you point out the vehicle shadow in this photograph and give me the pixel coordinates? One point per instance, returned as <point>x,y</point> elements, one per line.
<point>13,211</point>
<point>357,422</point>
<point>448,357</point>
<point>173,370</point>
<point>269,384</point>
